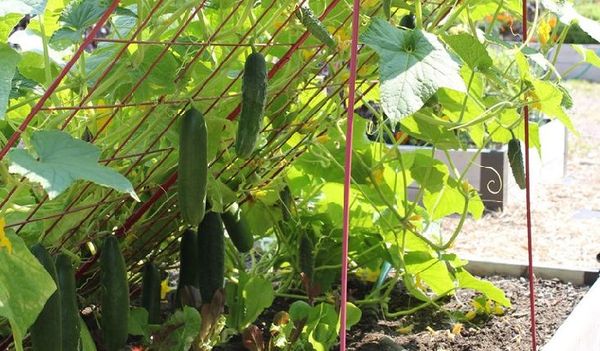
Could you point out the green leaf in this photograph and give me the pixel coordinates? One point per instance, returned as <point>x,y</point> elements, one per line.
<point>413,66</point>
<point>21,85</point>
<point>63,160</point>
<point>588,55</point>
<point>467,281</point>
<point>8,65</point>
<point>432,271</point>
<point>353,315</point>
<point>187,325</point>
<point>24,287</point>
<point>7,23</point>
<point>470,50</point>
<point>549,102</point>
<point>80,14</point>
<point>258,295</point>
<point>23,7</point>
<point>138,322</point>
<point>87,342</point>
<point>299,310</point>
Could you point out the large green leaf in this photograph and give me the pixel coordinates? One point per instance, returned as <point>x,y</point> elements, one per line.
<point>63,160</point>
<point>549,102</point>
<point>467,281</point>
<point>470,50</point>
<point>413,66</point>
<point>23,7</point>
<point>24,286</point>
<point>8,65</point>
<point>430,270</point>
<point>257,294</point>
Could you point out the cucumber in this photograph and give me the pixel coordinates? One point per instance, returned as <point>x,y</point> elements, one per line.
<point>115,295</point>
<point>254,99</point>
<point>316,27</point>
<point>193,167</point>
<point>237,228</point>
<point>46,331</point>
<point>188,266</point>
<point>69,307</point>
<point>305,254</point>
<point>408,21</point>
<point>211,256</point>
<point>515,159</point>
<point>287,203</point>
<point>151,292</point>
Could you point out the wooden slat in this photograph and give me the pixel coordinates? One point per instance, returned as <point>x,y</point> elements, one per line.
<point>581,330</point>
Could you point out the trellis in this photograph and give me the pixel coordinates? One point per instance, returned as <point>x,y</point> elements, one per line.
<point>156,226</point>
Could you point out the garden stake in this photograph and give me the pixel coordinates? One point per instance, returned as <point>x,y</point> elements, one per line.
<point>348,169</point>
<point>528,203</point>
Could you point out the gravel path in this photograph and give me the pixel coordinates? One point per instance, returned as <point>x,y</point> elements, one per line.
<point>565,216</point>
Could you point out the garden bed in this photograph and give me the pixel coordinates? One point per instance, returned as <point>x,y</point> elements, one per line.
<point>432,328</point>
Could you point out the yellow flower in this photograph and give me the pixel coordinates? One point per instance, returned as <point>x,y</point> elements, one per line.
<point>4,242</point>
<point>377,174</point>
<point>164,289</point>
<point>544,32</point>
<point>406,330</point>
<point>457,328</point>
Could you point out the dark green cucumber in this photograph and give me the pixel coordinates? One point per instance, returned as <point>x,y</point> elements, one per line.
<point>287,203</point>
<point>305,254</point>
<point>193,167</point>
<point>46,331</point>
<point>316,27</point>
<point>211,254</point>
<point>115,295</point>
<point>254,98</point>
<point>69,307</point>
<point>188,265</point>
<point>515,159</point>
<point>387,8</point>
<point>151,292</point>
<point>237,228</point>
<point>408,21</point>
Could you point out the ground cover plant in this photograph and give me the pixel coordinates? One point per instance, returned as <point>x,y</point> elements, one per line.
<point>206,139</point>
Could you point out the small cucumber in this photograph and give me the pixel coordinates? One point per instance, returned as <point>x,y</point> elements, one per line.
<point>151,292</point>
<point>46,331</point>
<point>70,309</point>
<point>305,254</point>
<point>188,266</point>
<point>254,98</point>
<point>515,159</point>
<point>316,27</point>
<point>115,295</point>
<point>237,228</point>
<point>211,255</point>
<point>193,167</point>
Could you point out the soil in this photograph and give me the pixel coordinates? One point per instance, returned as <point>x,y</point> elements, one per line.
<point>565,214</point>
<point>432,329</point>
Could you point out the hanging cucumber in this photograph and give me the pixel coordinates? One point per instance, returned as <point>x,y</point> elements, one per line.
<point>70,310</point>
<point>115,295</point>
<point>151,292</point>
<point>387,8</point>
<point>305,254</point>
<point>515,159</point>
<point>316,27</point>
<point>46,331</point>
<point>188,268</point>
<point>254,98</point>
<point>287,202</point>
<point>237,228</point>
<point>211,255</point>
<point>408,21</point>
<point>193,167</point>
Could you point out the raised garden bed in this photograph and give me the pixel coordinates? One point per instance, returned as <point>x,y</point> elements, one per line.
<point>491,175</point>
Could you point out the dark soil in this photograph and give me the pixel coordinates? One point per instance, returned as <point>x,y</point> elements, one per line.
<point>431,329</point>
